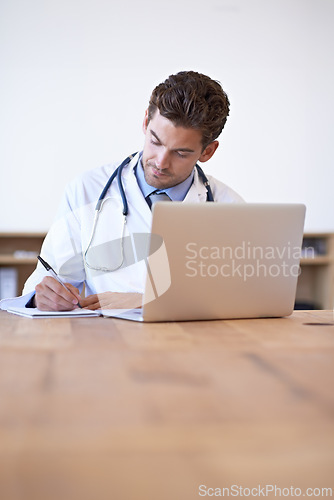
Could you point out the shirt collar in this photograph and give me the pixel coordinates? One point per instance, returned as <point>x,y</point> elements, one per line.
<point>176,193</point>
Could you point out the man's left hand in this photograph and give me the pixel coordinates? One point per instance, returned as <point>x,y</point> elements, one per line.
<point>112,300</point>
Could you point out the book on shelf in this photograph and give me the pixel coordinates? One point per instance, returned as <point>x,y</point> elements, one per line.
<point>8,282</point>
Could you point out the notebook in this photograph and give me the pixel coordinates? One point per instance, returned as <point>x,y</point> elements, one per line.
<point>30,312</point>
<point>220,261</point>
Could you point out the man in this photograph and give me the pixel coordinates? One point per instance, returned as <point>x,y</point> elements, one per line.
<point>186,114</point>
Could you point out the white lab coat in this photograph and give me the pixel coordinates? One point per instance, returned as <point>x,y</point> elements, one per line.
<point>66,242</point>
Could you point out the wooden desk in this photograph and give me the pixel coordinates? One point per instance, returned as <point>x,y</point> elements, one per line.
<point>109,409</point>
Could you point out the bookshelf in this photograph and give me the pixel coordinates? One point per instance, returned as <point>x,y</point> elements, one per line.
<point>315,288</point>
<point>18,256</point>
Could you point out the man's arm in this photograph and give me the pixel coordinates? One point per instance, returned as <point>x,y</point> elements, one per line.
<point>61,248</point>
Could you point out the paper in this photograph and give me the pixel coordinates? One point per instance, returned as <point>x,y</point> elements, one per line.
<point>30,312</point>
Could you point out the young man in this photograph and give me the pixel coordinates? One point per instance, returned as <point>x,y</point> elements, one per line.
<point>185,116</point>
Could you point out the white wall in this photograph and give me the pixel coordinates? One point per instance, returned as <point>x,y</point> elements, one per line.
<point>76,76</point>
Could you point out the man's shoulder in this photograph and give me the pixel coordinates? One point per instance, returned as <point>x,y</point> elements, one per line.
<point>89,184</point>
<point>98,175</point>
<point>222,192</point>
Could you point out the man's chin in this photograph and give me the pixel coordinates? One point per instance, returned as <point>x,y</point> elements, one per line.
<point>157,181</point>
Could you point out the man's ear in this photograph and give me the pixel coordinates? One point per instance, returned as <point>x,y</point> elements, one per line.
<point>145,122</point>
<point>208,151</point>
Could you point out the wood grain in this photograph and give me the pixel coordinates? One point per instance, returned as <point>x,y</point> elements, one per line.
<point>109,409</point>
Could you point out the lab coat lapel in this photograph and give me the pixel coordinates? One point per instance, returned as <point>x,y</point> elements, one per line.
<point>197,191</point>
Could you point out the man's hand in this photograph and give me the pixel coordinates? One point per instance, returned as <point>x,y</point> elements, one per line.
<point>112,300</point>
<point>52,296</point>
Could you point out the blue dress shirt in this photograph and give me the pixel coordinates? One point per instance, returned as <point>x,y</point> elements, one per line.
<point>175,193</point>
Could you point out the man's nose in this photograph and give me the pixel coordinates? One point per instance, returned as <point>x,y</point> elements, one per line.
<point>162,160</point>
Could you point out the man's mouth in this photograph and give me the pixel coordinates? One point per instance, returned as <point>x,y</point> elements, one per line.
<point>157,172</point>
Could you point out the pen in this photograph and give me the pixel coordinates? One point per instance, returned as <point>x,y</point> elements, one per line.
<point>54,274</point>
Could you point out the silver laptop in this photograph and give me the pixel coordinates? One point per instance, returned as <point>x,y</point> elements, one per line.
<point>220,261</point>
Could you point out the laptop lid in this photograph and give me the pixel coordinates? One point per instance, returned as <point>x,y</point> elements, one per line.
<point>219,261</point>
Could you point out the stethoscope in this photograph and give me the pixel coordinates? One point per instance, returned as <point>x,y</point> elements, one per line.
<point>118,175</point>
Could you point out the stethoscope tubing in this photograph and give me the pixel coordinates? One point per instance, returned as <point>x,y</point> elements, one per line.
<point>118,175</point>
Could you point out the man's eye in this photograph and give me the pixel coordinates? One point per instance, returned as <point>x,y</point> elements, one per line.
<point>181,155</point>
<point>156,143</point>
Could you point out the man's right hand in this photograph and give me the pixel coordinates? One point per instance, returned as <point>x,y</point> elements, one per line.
<point>52,296</point>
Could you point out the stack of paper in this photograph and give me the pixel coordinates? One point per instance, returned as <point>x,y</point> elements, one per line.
<point>30,312</point>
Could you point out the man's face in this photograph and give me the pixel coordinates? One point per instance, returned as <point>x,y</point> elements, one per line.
<point>170,152</point>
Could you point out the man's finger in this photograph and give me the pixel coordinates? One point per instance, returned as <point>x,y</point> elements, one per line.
<point>51,295</point>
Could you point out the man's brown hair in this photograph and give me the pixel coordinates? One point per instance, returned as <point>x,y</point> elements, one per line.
<point>192,100</point>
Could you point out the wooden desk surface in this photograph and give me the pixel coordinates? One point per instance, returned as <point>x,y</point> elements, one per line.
<point>109,409</point>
